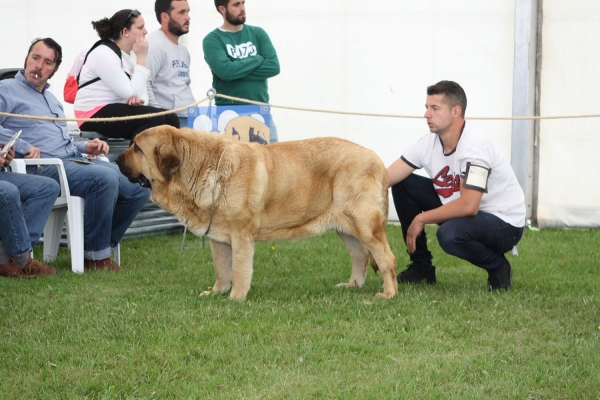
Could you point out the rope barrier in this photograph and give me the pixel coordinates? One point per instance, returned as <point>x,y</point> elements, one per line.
<point>214,94</point>
<point>111,119</point>
<point>402,116</point>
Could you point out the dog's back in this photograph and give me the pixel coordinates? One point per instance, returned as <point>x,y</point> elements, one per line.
<point>310,186</point>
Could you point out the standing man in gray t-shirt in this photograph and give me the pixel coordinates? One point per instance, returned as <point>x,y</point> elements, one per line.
<point>168,60</point>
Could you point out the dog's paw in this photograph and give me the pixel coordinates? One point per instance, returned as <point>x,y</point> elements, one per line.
<point>384,296</point>
<point>345,284</point>
<point>206,293</point>
<point>237,297</point>
<point>352,283</point>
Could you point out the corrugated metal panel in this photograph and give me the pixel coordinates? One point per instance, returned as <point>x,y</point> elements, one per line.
<point>151,220</point>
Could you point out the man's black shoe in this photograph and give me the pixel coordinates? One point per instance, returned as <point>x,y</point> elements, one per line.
<point>417,274</point>
<point>500,278</point>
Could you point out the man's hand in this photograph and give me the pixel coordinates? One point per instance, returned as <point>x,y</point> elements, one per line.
<point>414,231</point>
<point>33,152</point>
<point>96,147</point>
<point>135,100</point>
<point>7,157</point>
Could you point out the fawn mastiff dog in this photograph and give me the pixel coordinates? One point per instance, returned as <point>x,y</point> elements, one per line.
<point>237,193</point>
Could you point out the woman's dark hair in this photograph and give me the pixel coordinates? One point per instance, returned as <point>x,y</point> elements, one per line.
<point>111,28</point>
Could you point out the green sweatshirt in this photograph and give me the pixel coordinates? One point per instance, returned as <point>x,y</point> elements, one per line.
<point>241,62</point>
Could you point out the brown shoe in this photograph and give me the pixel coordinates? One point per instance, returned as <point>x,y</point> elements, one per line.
<point>35,267</point>
<point>12,270</point>
<point>105,263</point>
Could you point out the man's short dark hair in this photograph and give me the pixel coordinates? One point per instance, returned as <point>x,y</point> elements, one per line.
<point>454,95</point>
<point>223,3</point>
<point>163,6</point>
<point>51,43</point>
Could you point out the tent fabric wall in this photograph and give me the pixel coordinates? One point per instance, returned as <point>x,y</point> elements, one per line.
<point>569,194</point>
<point>378,57</point>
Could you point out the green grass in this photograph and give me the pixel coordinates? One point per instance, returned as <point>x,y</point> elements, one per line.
<point>146,332</point>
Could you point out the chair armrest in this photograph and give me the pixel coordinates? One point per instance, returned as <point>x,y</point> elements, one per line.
<point>19,166</point>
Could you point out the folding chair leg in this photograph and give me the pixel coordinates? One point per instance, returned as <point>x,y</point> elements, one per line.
<point>75,233</point>
<point>117,254</point>
<point>52,233</point>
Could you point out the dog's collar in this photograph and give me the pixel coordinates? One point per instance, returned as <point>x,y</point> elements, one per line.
<point>214,194</point>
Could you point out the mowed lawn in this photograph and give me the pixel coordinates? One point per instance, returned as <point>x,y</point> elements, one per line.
<point>147,333</point>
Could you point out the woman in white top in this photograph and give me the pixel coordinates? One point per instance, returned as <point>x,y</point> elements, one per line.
<point>112,81</point>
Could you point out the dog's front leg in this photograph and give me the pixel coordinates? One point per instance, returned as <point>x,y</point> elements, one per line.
<point>221,255</point>
<point>243,254</point>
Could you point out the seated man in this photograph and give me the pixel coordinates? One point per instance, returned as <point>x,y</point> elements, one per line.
<point>111,201</point>
<point>474,193</point>
<point>25,203</point>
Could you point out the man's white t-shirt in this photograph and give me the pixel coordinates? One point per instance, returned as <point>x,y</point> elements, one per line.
<point>504,197</point>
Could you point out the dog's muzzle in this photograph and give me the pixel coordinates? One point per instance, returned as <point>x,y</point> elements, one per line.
<point>143,181</point>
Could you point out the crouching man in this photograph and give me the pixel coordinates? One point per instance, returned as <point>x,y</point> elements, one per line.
<point>474,194</point>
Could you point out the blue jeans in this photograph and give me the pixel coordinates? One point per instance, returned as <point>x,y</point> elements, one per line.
<point>111,202</point>
<point>481,239</point>
<point>25,203</point>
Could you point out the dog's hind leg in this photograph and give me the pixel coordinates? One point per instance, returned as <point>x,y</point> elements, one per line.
<point>359,256</point>
<point>242,266</point>
<point>387,265</point>
<point>221,255</point>
<point>372,233</point>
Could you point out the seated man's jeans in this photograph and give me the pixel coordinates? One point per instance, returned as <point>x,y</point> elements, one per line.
<point>25,203</point>
<point>481,239</point>
<point>111,201</point>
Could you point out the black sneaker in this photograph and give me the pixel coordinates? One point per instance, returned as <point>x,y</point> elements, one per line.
<point>417,274</point>
<point>500,278</point>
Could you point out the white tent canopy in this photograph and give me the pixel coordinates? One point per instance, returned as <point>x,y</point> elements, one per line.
<point>512,58</point>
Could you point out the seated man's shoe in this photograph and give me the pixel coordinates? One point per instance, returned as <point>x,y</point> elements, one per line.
<point>500,278</point>
<point>105,263</point>
<point>12,270</point>
<point>35,267</point>
<point>417,274</point>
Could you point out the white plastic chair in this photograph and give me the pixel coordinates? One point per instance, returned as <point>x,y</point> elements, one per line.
<point>66,205</point>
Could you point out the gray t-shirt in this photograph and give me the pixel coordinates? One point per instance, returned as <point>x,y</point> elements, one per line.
<point>169,80</point>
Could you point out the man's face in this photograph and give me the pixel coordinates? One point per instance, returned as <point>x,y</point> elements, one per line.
<point>40,65</point>
<point>439,114</point>
<point>236,12</point>
<point>179,18</point>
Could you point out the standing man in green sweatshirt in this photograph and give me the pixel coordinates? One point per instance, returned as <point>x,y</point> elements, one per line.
<point>241,57</point>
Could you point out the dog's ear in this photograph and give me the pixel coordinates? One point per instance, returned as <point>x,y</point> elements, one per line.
<point>166,159</point>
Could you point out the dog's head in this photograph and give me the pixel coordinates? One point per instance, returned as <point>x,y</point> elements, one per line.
<point>152,158</point>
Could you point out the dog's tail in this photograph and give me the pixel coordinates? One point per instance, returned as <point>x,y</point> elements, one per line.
<point>373,263</point>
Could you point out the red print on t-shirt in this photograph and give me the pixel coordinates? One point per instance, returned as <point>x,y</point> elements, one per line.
<point>446,185</point>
